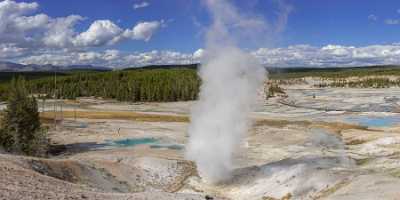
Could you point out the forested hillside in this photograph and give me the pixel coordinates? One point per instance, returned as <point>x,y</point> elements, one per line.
<point>334,73</point>
<point>135,85</point>
<point>176,82</point>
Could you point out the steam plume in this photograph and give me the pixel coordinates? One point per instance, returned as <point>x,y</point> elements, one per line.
<point>230,80</point>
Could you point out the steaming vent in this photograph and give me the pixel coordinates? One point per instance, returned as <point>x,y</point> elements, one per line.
<point>231,79</point>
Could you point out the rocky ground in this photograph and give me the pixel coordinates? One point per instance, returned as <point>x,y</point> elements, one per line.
<point>314,144</point>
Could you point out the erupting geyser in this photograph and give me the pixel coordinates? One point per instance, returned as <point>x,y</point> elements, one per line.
<point>230,80</point>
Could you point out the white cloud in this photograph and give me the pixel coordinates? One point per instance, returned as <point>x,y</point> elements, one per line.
<point>372,17</point>
<point>141,5</point>
<point>10,10</point>
<point>110,58</point>
<point>292,56</point>
<point>199,54</point>
<point>40,39</point>
<point>329,56</point>
<point>111,54</point>
<point>22,28</point>
<point>14,26</point>
<point>143,30</point>
<point>392,21</point>
<point>105,32</point>
<point>26,23</point>
<point>101,32</point>
<point>9,50</point>
<point>61,34</point>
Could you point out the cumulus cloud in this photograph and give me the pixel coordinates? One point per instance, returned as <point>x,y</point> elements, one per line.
<point>143,30</point>
<point>141,5</point>
<point>61,33</point>
<point>29,37</point>
<point>22,28</point>
<point>198,54</point>
<point>329,56</point>
<point>101,32</point>
<point>14,26</point>
<point>19,27</point>
<point>10,50</point>
<point>10,10</point>
<point>105,32</point>
<point>292,56</point>
<point>110,58</point>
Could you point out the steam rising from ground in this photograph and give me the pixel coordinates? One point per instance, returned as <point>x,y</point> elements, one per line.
<point>230,80</point>
<point>329,142</point>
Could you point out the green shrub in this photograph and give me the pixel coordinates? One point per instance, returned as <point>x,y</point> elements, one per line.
<point>21,131</point>
<point>274,89</point>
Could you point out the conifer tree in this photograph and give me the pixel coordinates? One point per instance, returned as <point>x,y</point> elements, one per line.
<point>21,130</point>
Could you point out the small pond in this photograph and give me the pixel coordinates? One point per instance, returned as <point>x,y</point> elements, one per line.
<point>130,142</point>
<point>374,121</point>
<point>152,142</point>
<point>167,146</point>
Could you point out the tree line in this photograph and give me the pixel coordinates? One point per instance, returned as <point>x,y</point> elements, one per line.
<point>155,85</point>
<point>335,73</point>
<point>377,82</point>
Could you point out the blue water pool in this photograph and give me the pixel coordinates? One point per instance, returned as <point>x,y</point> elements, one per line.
<point>167,146</point>
<point>152,142</point>
<point>130,142</point>
<point>374,121</point>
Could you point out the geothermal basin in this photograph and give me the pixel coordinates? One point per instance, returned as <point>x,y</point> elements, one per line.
<point>292,151</point>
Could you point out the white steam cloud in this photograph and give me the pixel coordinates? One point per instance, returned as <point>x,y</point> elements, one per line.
<point>230,80</point>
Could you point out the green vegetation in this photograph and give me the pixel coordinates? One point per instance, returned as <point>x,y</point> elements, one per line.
<point>6,77</point>
<point>363,83</point>
<point>145,85</point>
<point>3,91</point>
<point>160,85</point>
<point>334,73</point>
<point>125,115</point>
<point>21,131</point>
<point>181,83</point>
<point>355,77</point>
<point>274,89</point>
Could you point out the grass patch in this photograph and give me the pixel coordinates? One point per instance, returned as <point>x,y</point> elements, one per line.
<point>49,116</point>
<point>280,123</point>
<point>355,142</point>
<point>333,126</point>
<point>330,190</point>
<point>337,127</point>
<point>362,161</point>
<point>395,173</point>
<point>274,90</point>
<point>288,196</point>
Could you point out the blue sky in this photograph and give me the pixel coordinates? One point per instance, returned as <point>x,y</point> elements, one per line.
<point>314,22</point>
<point>343,22</point>
<point>174,31</point>
<point>181,33</point>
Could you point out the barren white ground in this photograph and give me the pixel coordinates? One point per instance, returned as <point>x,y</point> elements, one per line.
<point>314,144</point>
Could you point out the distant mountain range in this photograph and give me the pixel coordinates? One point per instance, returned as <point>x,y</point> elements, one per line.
<point>180,66</point>
<point>15,67</point>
